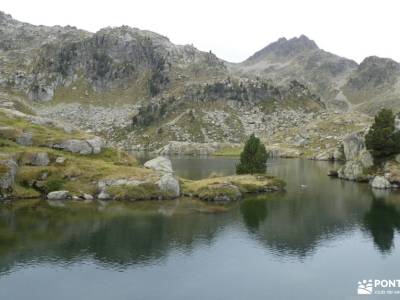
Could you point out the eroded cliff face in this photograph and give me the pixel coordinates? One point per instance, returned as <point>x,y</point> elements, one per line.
<point>38,60</point>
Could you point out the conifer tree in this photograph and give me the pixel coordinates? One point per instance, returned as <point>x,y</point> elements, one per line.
<point>253,158</point>
<point>382,139</point>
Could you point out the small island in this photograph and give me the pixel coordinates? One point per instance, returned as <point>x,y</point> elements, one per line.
<point>41,158</point>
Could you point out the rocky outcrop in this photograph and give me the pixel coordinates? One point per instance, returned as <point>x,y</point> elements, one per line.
<point>358,159</point>
<point>352,145</point>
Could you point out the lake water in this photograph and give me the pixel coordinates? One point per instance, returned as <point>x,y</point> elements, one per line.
<point>314,241</point>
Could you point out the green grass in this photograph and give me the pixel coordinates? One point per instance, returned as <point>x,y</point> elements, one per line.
<point>229,151</point>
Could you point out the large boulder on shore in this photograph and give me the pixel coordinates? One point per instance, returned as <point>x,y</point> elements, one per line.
<point>169,184</point>
<point>160,164</point>
<point>58,195</point>
<point>380,182</point>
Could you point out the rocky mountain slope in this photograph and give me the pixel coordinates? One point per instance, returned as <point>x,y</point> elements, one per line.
<point>140,91</point>
<point>340,82</point>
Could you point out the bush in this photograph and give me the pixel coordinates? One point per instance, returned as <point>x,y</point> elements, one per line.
<point>253,158</point>
<point>382,140</point>
<point>54,184</point>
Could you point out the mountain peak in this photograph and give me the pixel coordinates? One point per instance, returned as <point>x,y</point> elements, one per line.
<point>286,47</point>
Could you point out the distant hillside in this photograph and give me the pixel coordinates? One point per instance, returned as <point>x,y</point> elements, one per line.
<point>340,82</point>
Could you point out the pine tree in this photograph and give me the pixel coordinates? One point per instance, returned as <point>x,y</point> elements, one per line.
<point>382,140</point>
<point>253,158</point>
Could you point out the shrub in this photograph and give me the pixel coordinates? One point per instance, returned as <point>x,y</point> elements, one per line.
<point>54,184</point>
<point>382,140</point>
<point>253,158</point>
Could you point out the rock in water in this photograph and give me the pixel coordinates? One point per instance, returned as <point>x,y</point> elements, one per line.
<point>169,184</point>
<point>333,173</point>
<point>160,164</point>
<point>380,182</point>
<point>58,195</point>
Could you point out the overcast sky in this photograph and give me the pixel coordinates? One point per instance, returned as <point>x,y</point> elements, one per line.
<point>234,29</point>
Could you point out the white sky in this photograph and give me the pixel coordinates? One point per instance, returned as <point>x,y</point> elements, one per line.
<point>232,29</point>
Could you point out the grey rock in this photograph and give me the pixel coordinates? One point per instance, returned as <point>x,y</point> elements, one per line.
<point>88,197</point>
<point>365,158</point>
<point>352,145</point>
<point>7,177</point>
<point>58,195</point>
<point>160,164</point>
<point>169,184</point>
<point>380,182</point>
<point>40,159</point>
<point>103,195</point>
<point>96,143</point>
<point>352,170</point>
<point>25,139</point>
<point>76,146</point>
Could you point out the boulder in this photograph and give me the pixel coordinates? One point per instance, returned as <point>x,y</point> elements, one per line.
<point>76,146</point>
<point>353,143</point>
<point>8,171</point>
<point>392,171</point>
<point>25,139</point>
<point>58,195</point>
<point>103,195</point>
<point>169,184</point>
<point>96,143</point>
<point>380,182</point>
<point>160,164</point>
<point>87,197</point>
<point>39,159</point>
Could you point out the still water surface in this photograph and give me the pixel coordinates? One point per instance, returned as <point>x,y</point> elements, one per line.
<point>314,241</point>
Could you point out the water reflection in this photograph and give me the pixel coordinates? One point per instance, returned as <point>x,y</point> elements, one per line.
<point>382,219</point>
<point>254,211</point>
<point>294,224</point>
